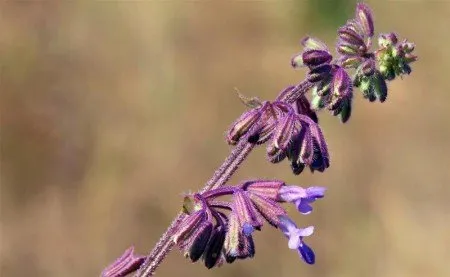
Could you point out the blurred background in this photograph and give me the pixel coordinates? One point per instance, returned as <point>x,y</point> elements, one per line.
<point>111,110</point>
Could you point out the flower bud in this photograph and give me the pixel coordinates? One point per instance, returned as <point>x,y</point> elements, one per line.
<point>246,247</point>
<point>366,88</point>
<point>364,17</point>
<point>408,47</point>
<point>319,73</point>
<point>350,61</point>
<point>342,84</point>
<point>243,125</point>
<point>297,61</point>
<point>236,244</point>
<point>284,132</point>
<point>274,154</point>
<point>320,159</point>
<point>368,67</point>
<point>304,107</point>
<point>350,36</point>
<point>231,243</point>
<point>297,167</point>
<point>187,225</point>
<point>306,149</point>
<point>310,43</point>
<point>355,26</point>
<point>379,87</point>
<point>319,102</point>
<point>213,250</point>
<point>313,58</point>
<point>409,58</point>
<point>386,40</point>
<point>387,71</point>
<point>349,49</point>
<point>199,240</point>
<point>346,111</point>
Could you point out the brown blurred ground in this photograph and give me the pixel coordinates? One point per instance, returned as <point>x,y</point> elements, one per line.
<point>110,110</point>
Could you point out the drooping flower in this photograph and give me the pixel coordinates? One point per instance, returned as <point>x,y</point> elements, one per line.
<point>222,231</point>
<point>295,236</point>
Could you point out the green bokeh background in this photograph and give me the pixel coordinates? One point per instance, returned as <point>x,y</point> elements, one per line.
<point>111,110</point>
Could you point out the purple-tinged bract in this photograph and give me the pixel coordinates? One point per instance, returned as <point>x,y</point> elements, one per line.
<point>124,265</point>
<point>365,18</point>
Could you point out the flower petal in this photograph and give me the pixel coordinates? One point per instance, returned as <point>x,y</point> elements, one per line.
<point>307,254</point>
<point>294,242</point>
<point>303,206</point>
<point>306,232</point>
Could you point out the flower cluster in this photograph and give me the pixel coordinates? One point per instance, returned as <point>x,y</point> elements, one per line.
<point>333,86</point>
<point>290,130</point>
<point>221,231</point>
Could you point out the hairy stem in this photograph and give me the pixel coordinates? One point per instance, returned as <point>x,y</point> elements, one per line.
<point>220,177</point>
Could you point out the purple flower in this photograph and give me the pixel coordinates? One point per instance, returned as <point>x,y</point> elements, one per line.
<point>302,198</point>
<point>295,236</point>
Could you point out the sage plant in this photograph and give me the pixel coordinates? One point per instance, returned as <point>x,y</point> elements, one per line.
<point>216,225</point>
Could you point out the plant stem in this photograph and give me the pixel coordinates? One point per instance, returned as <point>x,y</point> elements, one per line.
<point>220,177</point>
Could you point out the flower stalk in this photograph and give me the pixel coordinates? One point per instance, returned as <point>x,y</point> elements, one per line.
<point>219,231</point>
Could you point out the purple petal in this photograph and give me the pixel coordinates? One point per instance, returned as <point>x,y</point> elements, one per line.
<point>315,192</point>
<point>307,254</point>
<point>303,206</point>
<point>247,229</point>
<point>291,193</point>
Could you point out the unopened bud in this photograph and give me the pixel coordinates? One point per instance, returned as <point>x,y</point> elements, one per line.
<point>364,17</point>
